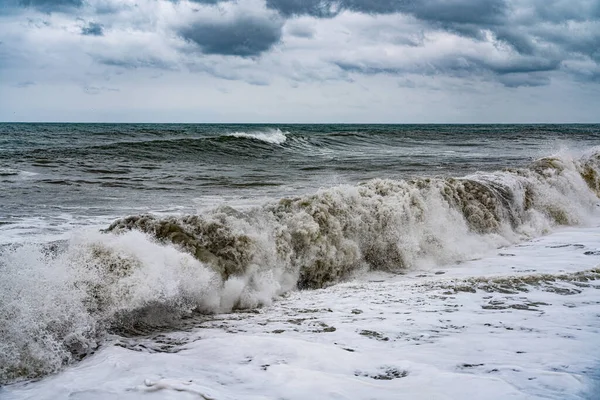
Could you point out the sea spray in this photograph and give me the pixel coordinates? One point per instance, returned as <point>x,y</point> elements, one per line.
<point>58,302</point>
<point>56,306</point>
<point>383,224</point>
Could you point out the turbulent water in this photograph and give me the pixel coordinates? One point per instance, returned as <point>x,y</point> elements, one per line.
<point>109,228</point>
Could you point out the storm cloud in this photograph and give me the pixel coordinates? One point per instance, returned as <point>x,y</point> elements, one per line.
<point>276,44</point>
<point>93,29</point>
<point>242,36</point>
<point>449,11</point>
<point>50,5</point>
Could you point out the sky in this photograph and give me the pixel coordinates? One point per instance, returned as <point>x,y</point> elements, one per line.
<point>373,61</point>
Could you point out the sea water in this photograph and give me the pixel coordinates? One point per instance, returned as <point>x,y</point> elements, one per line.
<point>295,261</point>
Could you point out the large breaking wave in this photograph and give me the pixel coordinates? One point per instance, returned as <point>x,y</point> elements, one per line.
<point>60,299</point>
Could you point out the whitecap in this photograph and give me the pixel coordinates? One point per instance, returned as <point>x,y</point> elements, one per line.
<point>273,136</point>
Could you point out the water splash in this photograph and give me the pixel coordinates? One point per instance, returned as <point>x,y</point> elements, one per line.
<point>60,300</point>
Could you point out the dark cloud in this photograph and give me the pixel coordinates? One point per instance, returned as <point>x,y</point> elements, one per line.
<point>93,29</point>
<point>523,44</point>
<point>457,12</point>
<point>539,32</point>
<point>588,46</point>
<point>524,71</point>
<point>586,75</point>
<point>515,42</point>
<point>51,5</point>
<point>528,27</point>
<point>207,1</point>
<point>521,66</point>
<point>202,1</point>
<point>448,11</point>
<point>554,46</point>
<point>11,7</point>
<point>470,18</point>
<point>565,10</point>
<point>314,8</point>
<point>244,36</point>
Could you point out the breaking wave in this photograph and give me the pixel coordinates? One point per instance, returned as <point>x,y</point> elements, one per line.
<point>60,299</point>
<point>273,136</point>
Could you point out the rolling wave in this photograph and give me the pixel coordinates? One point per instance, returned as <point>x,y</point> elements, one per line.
<point>59,301</point>
<point>251,144</point>
<point>256,143</point>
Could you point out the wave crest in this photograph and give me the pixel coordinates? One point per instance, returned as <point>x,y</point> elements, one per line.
<point>272,136</point>
<point>383,224</point>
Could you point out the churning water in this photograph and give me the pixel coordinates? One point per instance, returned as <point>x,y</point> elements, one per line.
<point>107,228</point>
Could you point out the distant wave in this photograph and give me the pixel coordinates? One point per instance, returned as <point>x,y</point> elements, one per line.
<point>59,300</point>
<point>252,143</point>
<point>274,136</point>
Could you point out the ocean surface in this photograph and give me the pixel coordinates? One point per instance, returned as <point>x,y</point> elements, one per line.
<point>64,175</point>
<point>133,240</point>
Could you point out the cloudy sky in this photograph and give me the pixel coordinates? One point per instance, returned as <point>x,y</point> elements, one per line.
<point>300,60</point>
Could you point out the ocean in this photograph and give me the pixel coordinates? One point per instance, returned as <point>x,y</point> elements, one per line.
<point>250,261</point>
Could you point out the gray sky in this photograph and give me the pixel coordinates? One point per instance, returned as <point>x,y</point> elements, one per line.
<point>300,60</point>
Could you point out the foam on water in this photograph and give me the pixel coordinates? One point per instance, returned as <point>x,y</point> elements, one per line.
<point>60,299</point>
<point>519,327</point>
<point>273,136</point>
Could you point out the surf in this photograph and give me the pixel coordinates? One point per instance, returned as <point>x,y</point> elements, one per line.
<point>60,301</point>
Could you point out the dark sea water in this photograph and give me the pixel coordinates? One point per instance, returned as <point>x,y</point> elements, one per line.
<point>59,175</point>
<point>108,229</point>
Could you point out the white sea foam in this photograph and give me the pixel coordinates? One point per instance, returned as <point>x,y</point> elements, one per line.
<point>273,136</point>
<point>412,336</point>
<point>60,299</point>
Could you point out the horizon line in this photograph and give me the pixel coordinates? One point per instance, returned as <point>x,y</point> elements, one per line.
<point>300,123</point>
